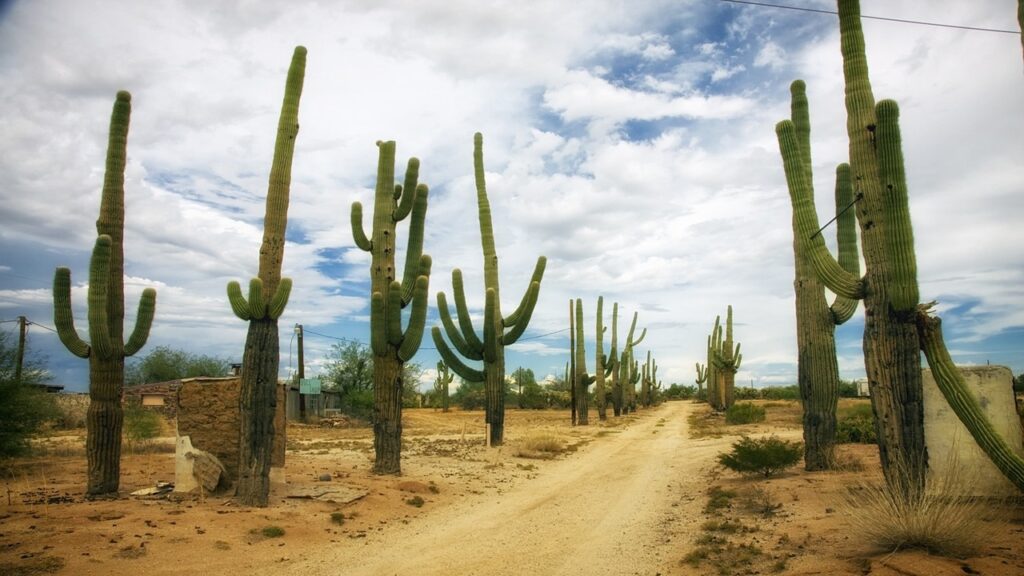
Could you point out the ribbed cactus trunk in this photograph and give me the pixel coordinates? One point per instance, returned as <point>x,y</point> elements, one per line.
<point>613,357</point>
<point>268,296</point>
<point>499,331</point>
<point>571,371</point>
<point>107,349</point>
<point>444,378</point>
<point>392,347</point>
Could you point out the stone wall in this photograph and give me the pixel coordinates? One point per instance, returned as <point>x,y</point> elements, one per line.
<point>208,415</point>
<point>948,440</point>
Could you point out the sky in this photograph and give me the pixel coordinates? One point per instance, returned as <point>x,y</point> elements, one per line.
<point>631,143</point>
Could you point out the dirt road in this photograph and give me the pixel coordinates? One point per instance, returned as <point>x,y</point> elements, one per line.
<point>615,507</point>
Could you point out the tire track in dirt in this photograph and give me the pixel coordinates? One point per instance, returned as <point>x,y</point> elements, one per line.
<point>616,507</point>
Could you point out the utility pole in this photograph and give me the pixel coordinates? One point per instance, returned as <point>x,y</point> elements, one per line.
<point>20,361</point>
<point>302,374</point>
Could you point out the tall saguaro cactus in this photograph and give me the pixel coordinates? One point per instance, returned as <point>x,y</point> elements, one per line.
<point>392,347</point>
<point>725,361</point>
<point>602,365</point>
<point>106,349</point>
<point>581,379</point>
<point>441,382</point>
<point>499,331</point>
<point>268,296</point>
<point>817,367</point>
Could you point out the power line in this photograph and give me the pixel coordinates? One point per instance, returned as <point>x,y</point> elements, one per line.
<point>865,16</point>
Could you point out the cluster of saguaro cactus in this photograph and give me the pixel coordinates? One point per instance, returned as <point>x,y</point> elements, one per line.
<point>499,331</point>
<point>268,295</point>
<point>723,361</point>
<point>896,326</point>
<point>603,366</point>
<point>106,349</point>
<point>817,367</point>
<point>441,382</point>
<point>626,373</point>
<point>392,346</point>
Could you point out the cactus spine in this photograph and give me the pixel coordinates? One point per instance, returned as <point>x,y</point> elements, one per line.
<point>817,367</point>
<point>258,394</point>
<point>392,347</point>
<point>106,349</point>
<point>581,378</point>
<point>441,382</point>
<point>491,348</point>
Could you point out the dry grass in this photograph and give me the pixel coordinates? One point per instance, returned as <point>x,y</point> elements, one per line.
<point>944,519</point>
<point>542,446</point>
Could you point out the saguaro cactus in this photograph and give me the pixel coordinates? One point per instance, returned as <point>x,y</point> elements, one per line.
<point>818,368</point>
<point>582,379</point>
<point>268,296</point>
<point>702,377</point>
<point>649,384</point>
<point>106,349</point>
<point>392,347</point>
<point>491,348</point>
<point>602,365</point>
<point>725,360</point>
<point>441,382</point>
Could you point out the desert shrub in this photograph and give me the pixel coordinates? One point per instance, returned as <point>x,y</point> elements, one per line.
<point>944,518</point>
<point>416,501</point>
<point>24,409</point>
<point>764,456</point>
<point>791,392</point>
<point>746,393</point>
<point>856,425</point>
<point>271,532</point>
<point>847,389</point>
<point>718,499</point>
<point>140,424</point>
<point>540,446</point>
<point>744,413</point>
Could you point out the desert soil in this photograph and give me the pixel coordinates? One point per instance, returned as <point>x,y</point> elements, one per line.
<point>629,496</point>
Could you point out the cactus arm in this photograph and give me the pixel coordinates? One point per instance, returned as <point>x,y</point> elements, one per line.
<point>358,234</point>
<point>629,338</point>
<point>257,306</point>
<point>417,320</point>
<point>99,273</point>
<point>957,394</point>
<point>143,322</point>
<point>408,194</point>
<point>702,373</point>
<point>279,300</point>
<point>838,280</point>
<point>378,331</point>
<point>524,306</point>
<point>530,301</point>
<point>239,305</point>
<point>846,237</point>
<point>465,322</point>
<point>903,289</point>
<point>413,255</point>
<point>453,361</point>
<point>63,318</point>
<point>394,315</point>
<point>453,332</point>
<point>490,331</point>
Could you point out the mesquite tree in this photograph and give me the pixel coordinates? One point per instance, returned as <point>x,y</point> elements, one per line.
<point>106,349</point>
<point>393,347</point>
<point>817,366</point>
<point>268,296</point>
<point>491,347</point>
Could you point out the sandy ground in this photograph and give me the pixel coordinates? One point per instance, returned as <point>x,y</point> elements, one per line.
<point>629,496</point>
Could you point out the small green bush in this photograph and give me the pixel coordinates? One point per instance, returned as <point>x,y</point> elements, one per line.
<point>272,531</point>
<point>765,456</point>
<point>140,424</point>
<point>416,501</point>
<point>856,425</point>
<point>791,392</point>
<point>338,518</point>
<point>744,413</point>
